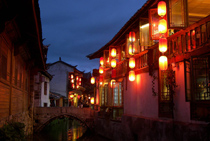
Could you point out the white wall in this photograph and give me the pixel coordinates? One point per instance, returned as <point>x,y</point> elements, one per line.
<point>139,99</point>
<point>45,98</point>
<point>58,84</point>
<point>181,107</point>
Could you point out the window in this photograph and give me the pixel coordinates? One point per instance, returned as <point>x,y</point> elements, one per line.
<point>101,96</point>
<point>177,13</point>
<point>45,104</point>
<point>166,93</point>
<point>45,88</point>
<point>198,87</point>
<point>117,94</point>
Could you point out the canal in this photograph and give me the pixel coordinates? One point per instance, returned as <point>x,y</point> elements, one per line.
<point>66,129</point>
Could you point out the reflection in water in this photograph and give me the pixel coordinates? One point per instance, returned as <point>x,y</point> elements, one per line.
<point>61,130</point>
<point>66,130</point>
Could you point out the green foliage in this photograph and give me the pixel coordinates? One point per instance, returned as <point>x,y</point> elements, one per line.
<point>13,131</point>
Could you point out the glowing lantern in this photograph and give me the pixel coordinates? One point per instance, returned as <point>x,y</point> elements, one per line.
<point>113,63</point>
<point>112,82</point>
<point>113,52</point>
<point>163,63</point>
<point>161,8</point>
<point>77,78</point>
<point>71,96</point>
<point>163,45</point>
<point>92,100</point>
<point>72,81</point>
<point>72,76</point>
<point>77,86</point>
<point>101,80</point>
<point>73,86</point>
<point>92,80</point>
<point>131,49</point>
<point>162,26</point>
<point>102,61</point>
<point>132,37</point>
<point>101,70</point>
<point>114,73</point>
<point>132,63</point>
<point>131,75</point>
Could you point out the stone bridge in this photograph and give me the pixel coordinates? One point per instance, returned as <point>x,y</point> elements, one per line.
<point>44,115</point>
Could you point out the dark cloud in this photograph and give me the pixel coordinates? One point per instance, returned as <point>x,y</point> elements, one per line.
<point>76,28</point>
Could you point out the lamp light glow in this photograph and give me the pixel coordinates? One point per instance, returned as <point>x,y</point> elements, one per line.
<point>163,63</point>
<point>113,63</point>
<point>132,63</point>
<point>162,26</point>
<point>163,45</point>
<point>131,75</point>
<point>113,52</point>
<point>132,37</point>
<point>161,8</point>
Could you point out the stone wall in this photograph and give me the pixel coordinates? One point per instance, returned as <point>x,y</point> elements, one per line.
<point>137,128</point>
<point>21,117</point>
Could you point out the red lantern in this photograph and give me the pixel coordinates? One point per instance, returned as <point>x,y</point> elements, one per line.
<point>131,75</point>
<point>132,63</point>
<point>163,45</point>
<point>114,73</point>
<point>131,49</point>
<point>113,52</point>
<point>92,80</point>
<point>101,80</point>
<point>92,100</point>
<point>73,86</point>
<point>161,8</point>
<point>162,26</point>
<point>72,76</point>
<point>132,37</point>
<point>163,63</point>
<point>102,61</point>
<point>113,63</point>
<point>101,70</point>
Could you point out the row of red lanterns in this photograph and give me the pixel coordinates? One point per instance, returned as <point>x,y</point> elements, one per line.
<point>132,63</point>
<point>162,28</point>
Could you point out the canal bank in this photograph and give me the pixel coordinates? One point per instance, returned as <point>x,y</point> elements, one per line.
<point>66,129</point>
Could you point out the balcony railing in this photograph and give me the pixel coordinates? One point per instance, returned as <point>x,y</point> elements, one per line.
<point>191,38</point>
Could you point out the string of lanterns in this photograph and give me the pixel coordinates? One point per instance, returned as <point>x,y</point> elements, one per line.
<point>162,28</point>
<point>132,39</point>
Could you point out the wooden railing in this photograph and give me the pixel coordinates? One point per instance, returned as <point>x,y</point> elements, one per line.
<point>189,39</point>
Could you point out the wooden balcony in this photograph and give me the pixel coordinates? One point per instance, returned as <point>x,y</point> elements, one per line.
<point>190,41</point>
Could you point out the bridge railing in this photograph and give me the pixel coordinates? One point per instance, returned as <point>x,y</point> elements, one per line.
<point>85,112</point>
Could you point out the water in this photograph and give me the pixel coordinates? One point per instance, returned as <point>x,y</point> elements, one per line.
<point>66,130</point>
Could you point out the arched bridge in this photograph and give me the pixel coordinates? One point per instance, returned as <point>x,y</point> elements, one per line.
<point>44,115</point>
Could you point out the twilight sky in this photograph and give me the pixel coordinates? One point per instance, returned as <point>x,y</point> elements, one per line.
<point>76,28</point>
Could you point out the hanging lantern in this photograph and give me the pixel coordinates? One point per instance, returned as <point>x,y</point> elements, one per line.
<point>131,75</point>
<point>132,63</point>
<point>113,63</point>
<point>114,73</point>
<point>162,26</point>
<point>92,100</point>
<point>113,52</point>
<point>163,45</point>
<point>73,86</point>
<point>163,63</point>
<point>132,37</point>
<point>101,80</point>
<point>71,96</point>
<point>131,49</point>
<point>77,78</point>
<point>72,81</point>
<point>112,83</point>
<point>161,8</point>
<point>101,70</point>
<point>77,86</point>
<point>92,80</point>
<point>72,76</point>
<point>101,61</point>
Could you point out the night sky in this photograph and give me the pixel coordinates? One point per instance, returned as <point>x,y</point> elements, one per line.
<point>76,28</point>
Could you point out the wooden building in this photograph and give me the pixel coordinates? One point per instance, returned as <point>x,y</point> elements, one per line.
<point>21,56</point>
<point>153,100</point>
